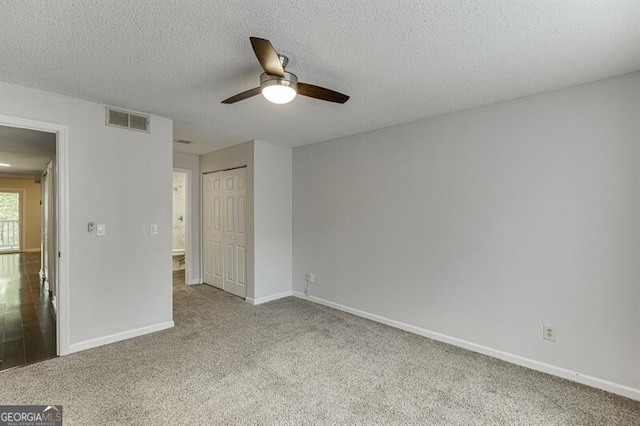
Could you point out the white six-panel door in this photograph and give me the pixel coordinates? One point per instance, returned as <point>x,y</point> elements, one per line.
<point>212,229</point>
<point>224,231</point>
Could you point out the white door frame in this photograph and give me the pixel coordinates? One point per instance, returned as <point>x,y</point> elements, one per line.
<point>62,219</point>
<point>187,214</point>
<point>201,252</point>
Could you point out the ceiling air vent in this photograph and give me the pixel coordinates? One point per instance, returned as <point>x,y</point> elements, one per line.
<point>127,120</point>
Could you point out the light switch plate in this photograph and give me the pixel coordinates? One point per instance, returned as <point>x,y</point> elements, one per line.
<point>153,229</point>
<point>101,229</point>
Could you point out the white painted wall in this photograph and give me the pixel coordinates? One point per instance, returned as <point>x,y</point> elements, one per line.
<point>272,219</point>
<point>484,224</point>
<point>192,162</point>
<point>227,158</point>
<point>121,282</point>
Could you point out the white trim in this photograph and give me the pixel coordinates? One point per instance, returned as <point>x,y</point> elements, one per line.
<point>201,237</point>
<point>193,282</point>
<point>31,250</point>
<point>265,299</point>
<point>62,235</point>
<point>505,356</point>
<point>112,338</point>
<point>62,218</point>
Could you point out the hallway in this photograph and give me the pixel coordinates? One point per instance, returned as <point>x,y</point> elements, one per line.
<point>27,322</point>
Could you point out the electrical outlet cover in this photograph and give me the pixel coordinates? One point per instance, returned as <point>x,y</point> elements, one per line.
<point>549,332</point>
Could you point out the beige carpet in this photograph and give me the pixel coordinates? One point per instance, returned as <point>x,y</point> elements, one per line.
<point>294,362</point>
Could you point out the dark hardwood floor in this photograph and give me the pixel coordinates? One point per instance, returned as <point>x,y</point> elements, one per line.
<point>27,322</point>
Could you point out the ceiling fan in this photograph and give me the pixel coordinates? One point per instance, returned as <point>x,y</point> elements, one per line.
<point>278,85</point>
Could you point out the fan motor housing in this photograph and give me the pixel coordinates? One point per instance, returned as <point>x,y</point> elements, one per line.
<point>289,79</point>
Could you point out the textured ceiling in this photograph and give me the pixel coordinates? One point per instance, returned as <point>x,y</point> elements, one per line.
<point>398,60</point>
<point>28,151</point>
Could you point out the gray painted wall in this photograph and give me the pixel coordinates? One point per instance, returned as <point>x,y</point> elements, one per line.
<point>227,158</point>
<point>122,281</point>
<point>269,213</point>
<point>486,223</point>
<point>272,219</point>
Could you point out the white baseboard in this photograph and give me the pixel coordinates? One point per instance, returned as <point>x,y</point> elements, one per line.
<point>505,356</point>
<point>193,282</point>
<point>93,343</point>
<point>266,299</point>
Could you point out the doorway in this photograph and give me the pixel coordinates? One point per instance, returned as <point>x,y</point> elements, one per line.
<point>181,225</point>
<point>49,327</point>
<point>27,287</point>
<point>11,219</point>
<point>224,230</point>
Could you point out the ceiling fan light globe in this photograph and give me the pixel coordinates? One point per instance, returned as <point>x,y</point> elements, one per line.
<point>279,94</point>
<point>279,90</point>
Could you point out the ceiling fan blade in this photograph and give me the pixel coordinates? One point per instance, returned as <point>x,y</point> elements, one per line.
<point>242,96</point>
<point>267,56</point>
<point>321,93</point>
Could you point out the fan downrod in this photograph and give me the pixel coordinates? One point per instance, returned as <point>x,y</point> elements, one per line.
<point>283,60</point>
